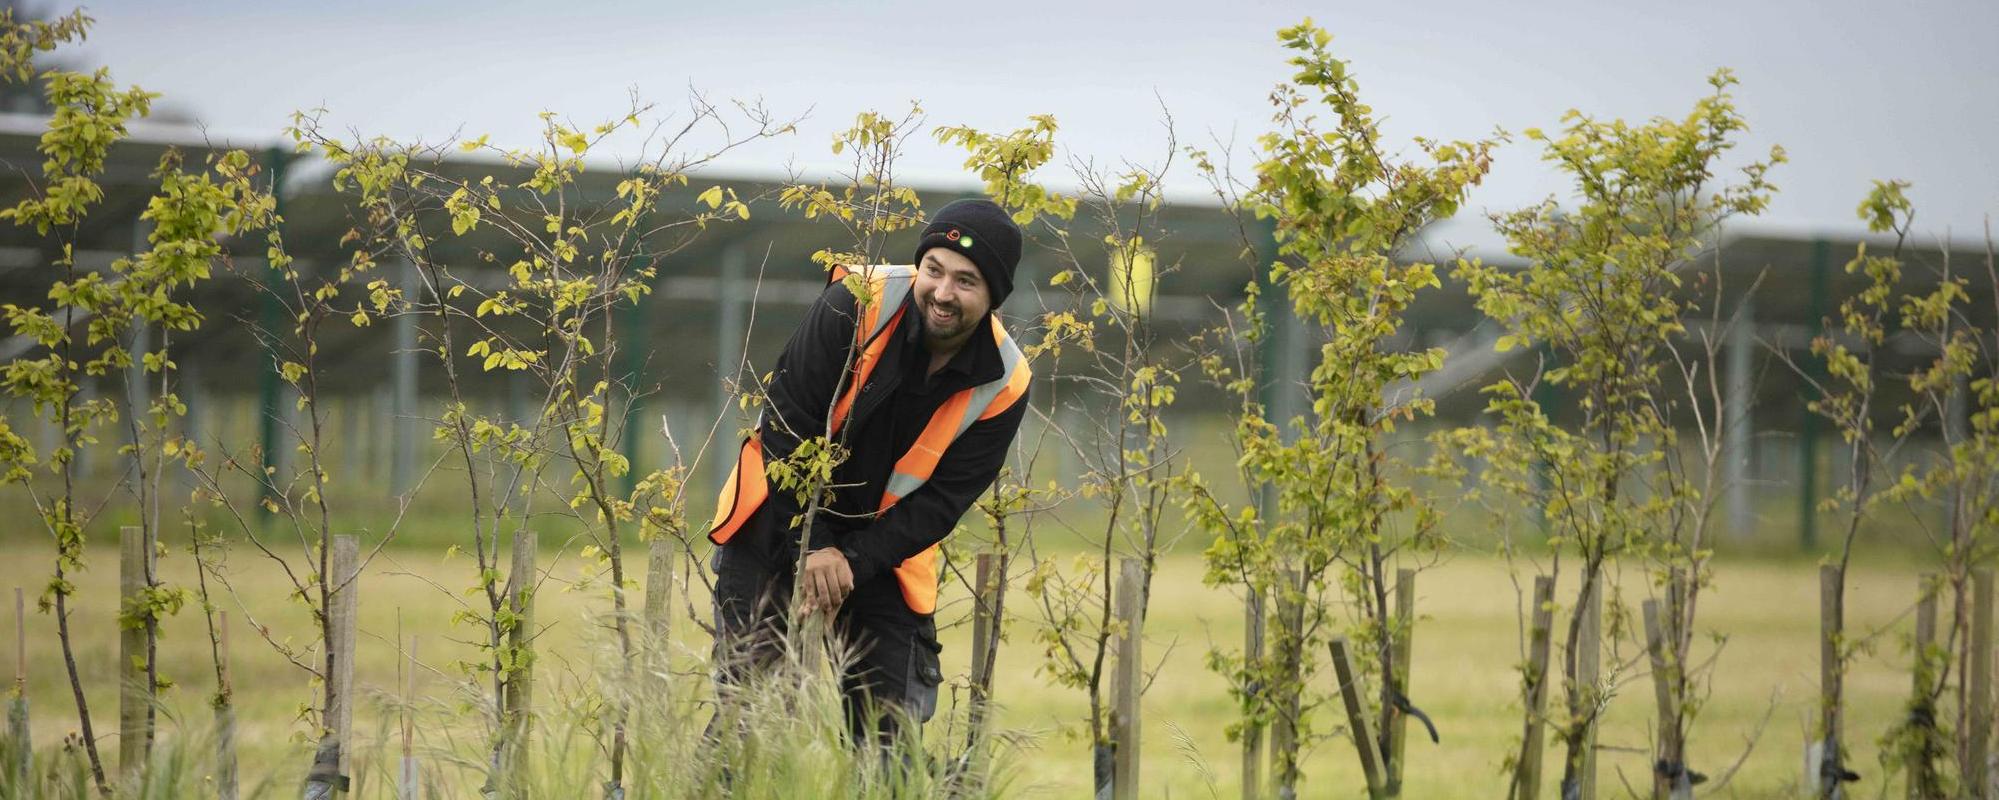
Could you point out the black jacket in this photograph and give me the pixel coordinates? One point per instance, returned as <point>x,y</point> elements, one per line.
<point>886,419</point>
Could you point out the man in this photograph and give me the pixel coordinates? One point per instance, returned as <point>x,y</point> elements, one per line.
<point>926,390</point>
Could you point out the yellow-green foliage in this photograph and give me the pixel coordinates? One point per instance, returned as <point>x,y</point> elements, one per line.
<point>871,204</point>
<point>1601,297</point>
<point>86,328</point>
<point>573,264</point>
<point>1342,204</point>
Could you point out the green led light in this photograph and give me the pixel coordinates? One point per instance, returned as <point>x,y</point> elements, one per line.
<point>965,242</point>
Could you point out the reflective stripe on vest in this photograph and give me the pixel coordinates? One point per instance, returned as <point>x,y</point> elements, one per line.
<point>746,487</point>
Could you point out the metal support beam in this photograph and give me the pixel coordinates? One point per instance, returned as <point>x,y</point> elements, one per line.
<point>194,424</point>
<point>1808,426</point>
<point>634,343</point>
<point>270,318</point>
<point>403,377</point>
<point>381,429</point>
<point>1070,421</point>
<point>731,320</point>
<point>1284,358</point>
<point>523,409</point>
<point>518,400</point>
<point>689,431</point>
<point>1737,434</point>
<point>137,398</point>
<point>85,458</point>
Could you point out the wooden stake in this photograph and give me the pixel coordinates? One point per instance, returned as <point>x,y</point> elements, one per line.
<point>985,634</point>
<point>403,670</point>
<point>20,642</point>
<point>1673,781</point>
<point>1676,600</point>
<point>225,713</point>
<point>1922,778</point>
<point>983,592</point>
<point>409,783</point>
<point>656,639</point>
<point>1822,758</point>
<point>659,592</point>
<point>988,589</point>
<point>1527,774</point>
<point>518,714</point>
<point>1358,729</point>
<point>1126,681</point>
<point>1978,692</point>
<point>1589,677</point>
<point>17,711</point>
<point>1394,754</point>
<point>1284,734</point>
<point>332,764</point>
<point>1252,737</point>
<point>133,684</point>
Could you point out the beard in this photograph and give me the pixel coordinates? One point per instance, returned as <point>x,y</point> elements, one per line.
<point>956,324</point>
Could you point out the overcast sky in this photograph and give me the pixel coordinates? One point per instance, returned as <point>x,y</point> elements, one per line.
<point>1853,90</point>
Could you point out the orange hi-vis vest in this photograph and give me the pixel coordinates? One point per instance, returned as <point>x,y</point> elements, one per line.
<point>747,487</point>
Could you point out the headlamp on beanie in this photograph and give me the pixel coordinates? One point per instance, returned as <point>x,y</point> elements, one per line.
<point>983,232</point>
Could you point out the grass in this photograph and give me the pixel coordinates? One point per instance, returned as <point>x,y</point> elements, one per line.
<point>1467,648</point>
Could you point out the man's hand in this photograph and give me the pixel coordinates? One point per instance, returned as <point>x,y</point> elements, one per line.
<point>827,580</point>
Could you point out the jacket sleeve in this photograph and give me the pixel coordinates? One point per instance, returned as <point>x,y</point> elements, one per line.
<point>800,392</point>
<point>967,468</point>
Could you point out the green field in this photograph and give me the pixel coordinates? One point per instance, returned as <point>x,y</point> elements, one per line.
<point>1467,648</point>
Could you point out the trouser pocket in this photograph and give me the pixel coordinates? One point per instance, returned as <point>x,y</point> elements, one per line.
<point>924,675</point>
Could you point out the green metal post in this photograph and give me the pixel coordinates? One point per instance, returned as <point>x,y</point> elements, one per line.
<point>635,324</point>
<point>405,434</point>
<point>1279,378</point>
<point>270,315</point>
<point>1808,429</point>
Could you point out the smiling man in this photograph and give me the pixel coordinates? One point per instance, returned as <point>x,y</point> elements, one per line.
<point>926,390</point>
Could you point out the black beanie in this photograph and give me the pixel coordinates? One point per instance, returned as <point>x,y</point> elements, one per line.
<point>982,231</point>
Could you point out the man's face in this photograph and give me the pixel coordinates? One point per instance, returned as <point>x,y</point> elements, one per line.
<point>950,293</point>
